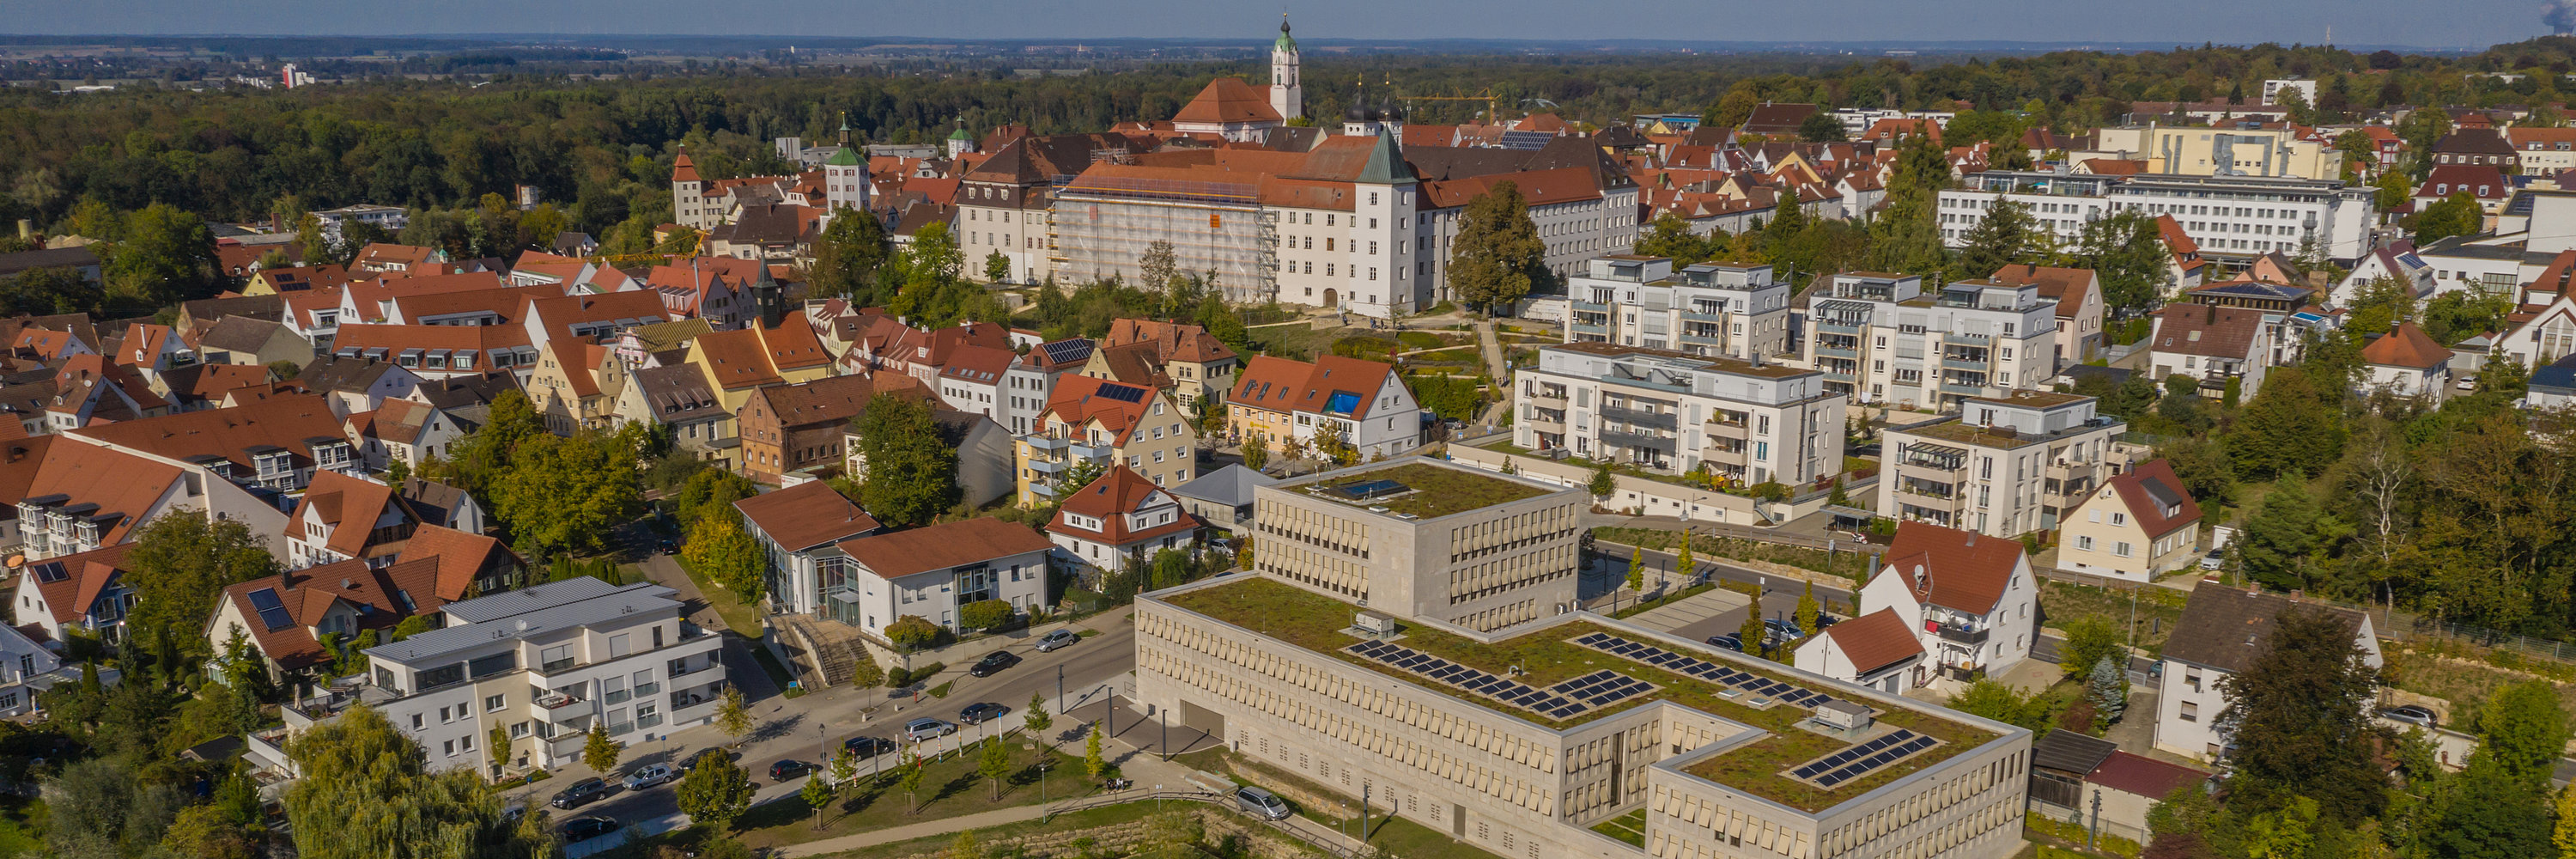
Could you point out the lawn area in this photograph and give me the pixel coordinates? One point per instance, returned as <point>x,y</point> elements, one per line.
<point>1089,818</point>
<point>2062,603</point>
<point>1439,490</point>
<point>1629,827</point>
<point>2463,682</point>
<point>738,616</point>
<point>949,787</point>
<point>1299,341</point>
<point>1314,621</point>
<point>1667,599</point>
<point>1393,836</point>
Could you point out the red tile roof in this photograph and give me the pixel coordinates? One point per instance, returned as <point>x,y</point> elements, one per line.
<point>1110,498</point>
<point>2139,488</point>
<point>460,556</point>
<point>1172,341</point>
<point>2067,286</point>
<point>1078,400</point>
<point>2207,330</point>
<point>284,421</point>
<point>1875,640</point>
<point>2407,346</point>
<point>2143,776</point>
<point>118,482</point>
<point>348,506</point>
<point>806,515</point>
<point>309,593</point>
<point>1228,100</point>
<point>941,546</point>
<point>1282,385</point>
<point>1960,569</point>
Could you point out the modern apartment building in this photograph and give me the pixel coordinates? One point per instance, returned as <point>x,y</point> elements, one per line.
<point>2233,218</point>
<point>543,664</point>
<point>1707,309</point>
<point>1672,413</point>
<point>2005,466</point>
<point>1425,538</point>
<point>1883,339</point>
<point>1516,741</point>
<point>2286,151</point>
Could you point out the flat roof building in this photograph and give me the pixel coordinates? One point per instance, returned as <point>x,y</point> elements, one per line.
<point>1671,413</point>
<point>1425,538</point>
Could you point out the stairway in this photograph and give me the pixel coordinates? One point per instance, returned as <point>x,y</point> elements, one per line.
<point>830,658</point>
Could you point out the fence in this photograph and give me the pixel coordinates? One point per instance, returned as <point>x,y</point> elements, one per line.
<point>2064,814</point>
<point>1326,845</point>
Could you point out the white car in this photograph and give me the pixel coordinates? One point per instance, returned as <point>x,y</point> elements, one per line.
<point>2212,560</point>
<point>648,776</point>
<point>925,730</point>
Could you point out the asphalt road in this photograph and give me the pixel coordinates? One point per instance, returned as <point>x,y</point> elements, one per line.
<point>788,728</point>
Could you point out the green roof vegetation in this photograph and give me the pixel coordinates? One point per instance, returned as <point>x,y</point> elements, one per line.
<point>1437,490</point>
<point>1315,622</point>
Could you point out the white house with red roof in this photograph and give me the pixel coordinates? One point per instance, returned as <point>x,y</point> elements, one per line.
<point>795,527</point>
<point>286,618</point>
<point>1879,650</point>
<point>1280,402</point>
<point>933,572</point>
<point>1969,598</point>
<point>724,292</point>
<point>83,591</point>
<point>2484,182</point>
<point>2140,524</point>
<point>1119,517</point>
<point>972,380</point>
<point>343,518</point>
<point>2408,363</point>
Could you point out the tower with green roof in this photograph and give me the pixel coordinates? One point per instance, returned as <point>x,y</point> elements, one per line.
<point>1287,96</point>
<point>845,175</point>
<point>960,142</point>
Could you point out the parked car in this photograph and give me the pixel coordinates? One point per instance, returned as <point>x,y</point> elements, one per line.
<point>1050,642</point>
<point>587,828</point>
<point>789,768</point>
<point>976,713</point>
<point>1261,803</point>
<point>667,546</point>
<point>649,775</point>
<point>2413,715</point>
<point>868,747</point>
<point>1728,641</point>
<point>580,793</point>
<point>2212,560</point>
<point>992,663</point>
<point>923,730</point>
<point>708,753</point>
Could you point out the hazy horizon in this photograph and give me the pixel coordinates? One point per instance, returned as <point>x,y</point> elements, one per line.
<point>2471,24</point>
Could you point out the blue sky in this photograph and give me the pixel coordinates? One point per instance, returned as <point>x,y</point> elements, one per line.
<point>2460,23</point>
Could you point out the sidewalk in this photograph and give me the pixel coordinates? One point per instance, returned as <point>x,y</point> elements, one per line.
<point>959,655</point>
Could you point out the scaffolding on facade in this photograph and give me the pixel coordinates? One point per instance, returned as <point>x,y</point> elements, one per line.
<point>1103,227</point>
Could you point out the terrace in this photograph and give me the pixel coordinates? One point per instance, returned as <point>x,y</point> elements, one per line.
<point>1424,491</point>
<point>1555,655</point>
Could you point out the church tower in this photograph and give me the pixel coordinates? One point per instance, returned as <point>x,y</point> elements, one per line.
<point>845,176</point>
<point>1287,96</point>
<point>688,195</point>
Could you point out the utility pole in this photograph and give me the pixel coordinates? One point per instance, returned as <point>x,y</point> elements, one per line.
<point>2093,833</point>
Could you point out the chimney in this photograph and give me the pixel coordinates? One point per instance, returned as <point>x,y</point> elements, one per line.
<point>1972,538</point>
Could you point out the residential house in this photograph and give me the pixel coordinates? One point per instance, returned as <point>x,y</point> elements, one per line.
<point>1882,338</point>
<point>1189,360</point>
<point>90,389</point>
<point>727,293</point>
<point>1745,422</point>
<point>302,278</point>
<point>1712,309</point>
<point>278,444</point>
<point>438,351</point>
<point>933,571</point>
<point>599,316</point>
<point>355,384</point>
<point>678,396</point>
<point>2085,780</point>
<point>1970,599</point>
<point>574,385</point>
<point>972,380</point>
<point>2078,293</point>
<point>1031,378</point>
<point>204,386</point>
<point>2214,346</point>
<point>2141,524</point>
<point>2486,184</point>
<point>24,669</point>
<point>441,505</point>
<point>1094,422</point>
<point>1879,650</point>
<point>249,341</point>
<point>2006,466</point>
<point>2396,261</point>
<point>1223,498</point>
<point>2408,363</point>
<point>400,260</point>
<point>795,526</point>
<point>1121,519</point>
<point>1282,403</point>
<point>2221,632</point>
<point>303,621</point>
<point>739,361</point>
<point>403,431</point>
<point>343,518</point>
<point>791,428</point>
<point>82,591</point>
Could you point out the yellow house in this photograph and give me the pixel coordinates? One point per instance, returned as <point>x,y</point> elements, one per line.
<point>1104,424</point>
<point>575,385</point>
<point>747,359</point>
<point>2140,524</point>
<point>272,281</point>
<point>2204,151</point>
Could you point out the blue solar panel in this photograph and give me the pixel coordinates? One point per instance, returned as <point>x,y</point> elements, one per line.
<point>271,612</point>
<point>51,571</point>
<point>1062,351</point>
<point>1122,393</point>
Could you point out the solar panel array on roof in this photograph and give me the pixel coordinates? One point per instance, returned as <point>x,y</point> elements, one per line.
<point>1123,393</point>
<point>1860,759</point>
<point>1603,688</point>
<point>1543,702</point>
<point>51,571</point>
<point>1062,351</point>
<point>1691,666</point>
<point>271,612</point>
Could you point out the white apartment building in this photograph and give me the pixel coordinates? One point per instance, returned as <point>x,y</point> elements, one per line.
<point>2231,217</point>
<point>545,664</point>
<point>1707,309</point>
<point>2005,466</point>
<point>1672,413</point>
<point>1882,339</point>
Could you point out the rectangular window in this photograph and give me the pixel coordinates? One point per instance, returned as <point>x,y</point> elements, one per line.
<point>2190,711</point>
<point>495,702</point>
<point>2120,548</point>
<point>618,646</point>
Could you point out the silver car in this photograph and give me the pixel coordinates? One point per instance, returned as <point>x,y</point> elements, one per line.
<point>1260,803</point>
<point>925,730</point>
<point>1058,639</point>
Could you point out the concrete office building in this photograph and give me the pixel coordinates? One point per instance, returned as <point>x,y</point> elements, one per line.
<point>1883,339</point>
<point>2004,467</point>
<point>1517,741</point>
<point>1425,538</point>
<point>2232,218</point>
<point>1673,413</point>
<point>1709,309</point>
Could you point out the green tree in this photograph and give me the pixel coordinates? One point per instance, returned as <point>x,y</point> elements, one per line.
<point>2285,542</point>
<point>964,846</point>
<point>45,291</point>
<point>1821,127</point>
<point>1159,267</point>
<point>845,771</point>
<point>2522,733</point>
<point>1092,763</point>
<point>912,632</point>
<point>997,268</point>
<point>2000,238</point>
<point>2392,190</point>
<point>1995,700</point>
<point>2299,709</point>
<point>1668,235</point>
<point>2563,834</point>
<point>2108,688</point>
<point>912,471</point>
<point>1809,613</point>
<point>2459,214</point>
<point>2492,817</point>
<point>931,264</point>
<point>2294,425</point>
<point>1734,107</point>
<point>206,832</point>
<point>1035,718</point>
<point>496,745</point>
<point>1603,483</point>
<point>1256,453</point>
<point>994,764</point>
<point>731,716</point>
<point>568,494</point>
<point>2089,640</point>
<point>2126,251</point>
<point>986,614</point>
<point>598,752</point>
<point>1906,236</point>
<point>908,775</point>
<point>1637,569</point>
<point>1753,632</point>
<point>847,257</point>
<point>816,794</point>
<point>368,794</point>
<point>1498,255</point>
<point>179,565</point>
<point>162,255</point>
<point>725,553</point>
<point>715,793</point>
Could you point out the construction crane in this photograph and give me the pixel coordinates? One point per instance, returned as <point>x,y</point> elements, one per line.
<point>1493,102</point>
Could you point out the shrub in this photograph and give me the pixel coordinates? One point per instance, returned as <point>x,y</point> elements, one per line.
<point>985,614</point>
<point>913,631</point>
<point>1770,490</point>
<point>898,677</point>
